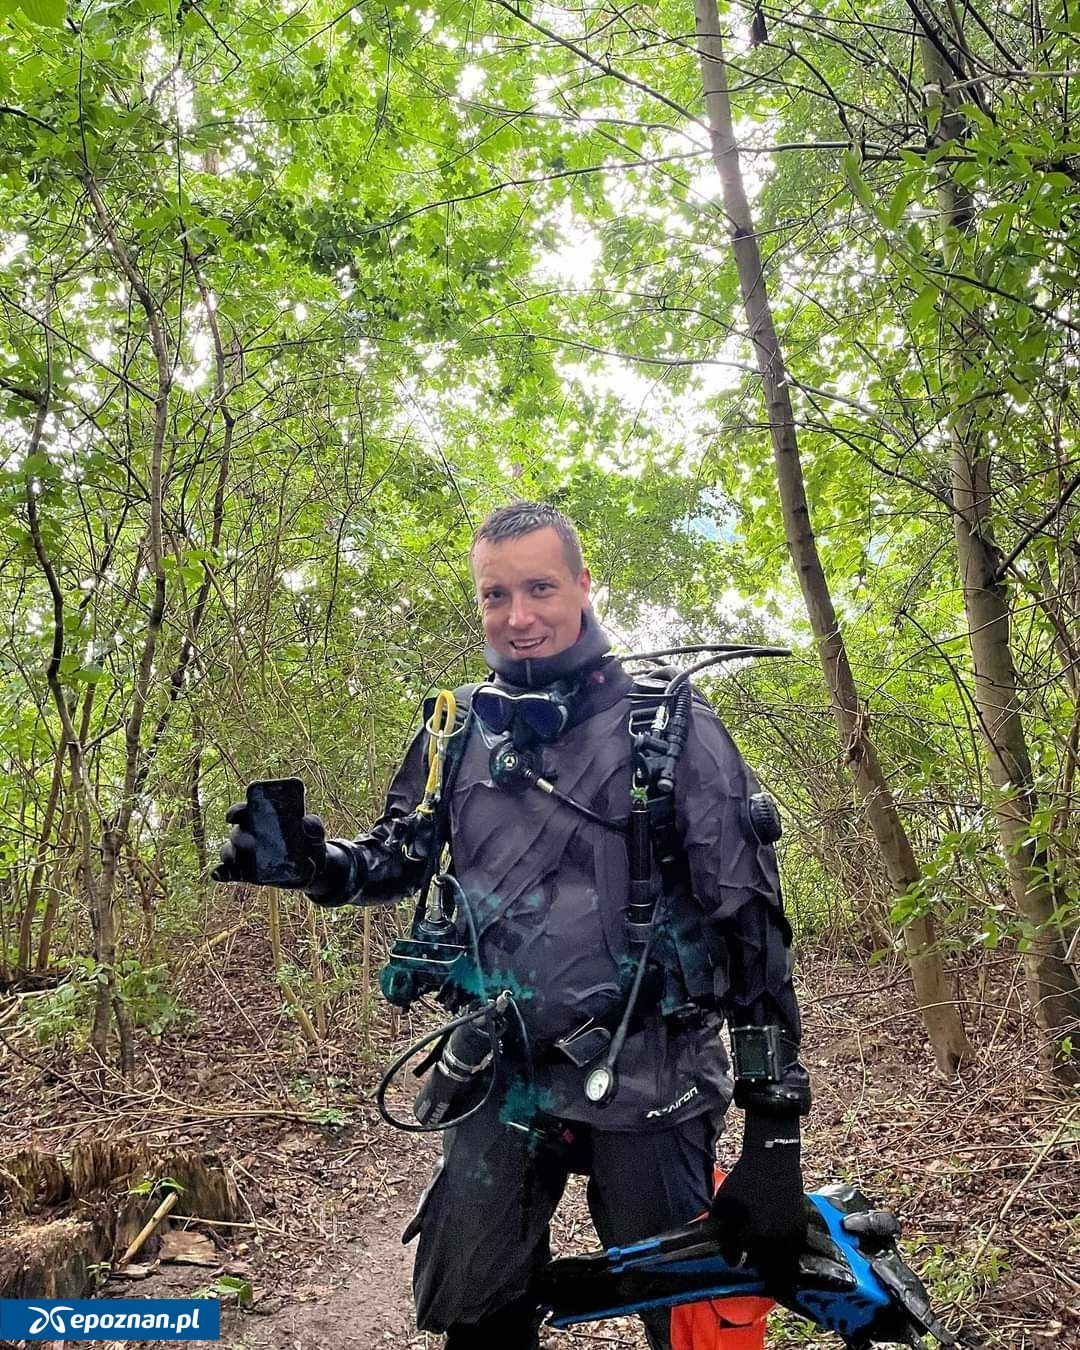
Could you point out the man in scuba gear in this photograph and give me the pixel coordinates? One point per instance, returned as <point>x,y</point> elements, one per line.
<point>545,876</point>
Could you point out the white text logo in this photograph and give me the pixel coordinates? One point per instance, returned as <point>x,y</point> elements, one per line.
<point>687,1096</point>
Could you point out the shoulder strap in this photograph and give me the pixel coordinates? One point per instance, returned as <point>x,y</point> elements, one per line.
<point>681,953</point>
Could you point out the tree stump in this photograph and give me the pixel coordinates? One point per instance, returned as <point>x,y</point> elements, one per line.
<point>62,1217</point>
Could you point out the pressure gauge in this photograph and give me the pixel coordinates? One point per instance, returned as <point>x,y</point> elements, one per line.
<point>600,1085</point>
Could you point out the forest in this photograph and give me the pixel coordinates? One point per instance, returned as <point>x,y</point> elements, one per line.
<point>778,302</point>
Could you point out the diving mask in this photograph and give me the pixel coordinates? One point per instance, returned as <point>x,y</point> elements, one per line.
<point>530,717</point>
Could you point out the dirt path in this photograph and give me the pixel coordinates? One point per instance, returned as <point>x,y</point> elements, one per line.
<point>341,1279</point>
<point>355,1296</point>
<point>359,1300</point>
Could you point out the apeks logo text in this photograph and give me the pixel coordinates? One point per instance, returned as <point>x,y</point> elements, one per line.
<point>114,1319</point>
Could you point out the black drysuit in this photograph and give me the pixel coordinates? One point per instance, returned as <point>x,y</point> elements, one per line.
<point>548,889</point>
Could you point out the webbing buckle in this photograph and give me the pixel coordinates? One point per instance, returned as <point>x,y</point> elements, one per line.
<point>586,1043</point>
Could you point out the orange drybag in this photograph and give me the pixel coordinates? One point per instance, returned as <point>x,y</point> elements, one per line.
<point>720,1323</point>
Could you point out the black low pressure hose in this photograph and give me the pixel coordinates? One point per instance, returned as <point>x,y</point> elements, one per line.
<point>731,654</point>
<point>725,651</point>
<point>491,1012</point>
<point>678,696</point>
<point>602,1082</point>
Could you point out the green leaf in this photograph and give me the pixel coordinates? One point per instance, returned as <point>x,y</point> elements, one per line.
<point>893,213</point>
<point>91,674</point>
<point>45,13</point>
<point>38,465</point>
<point>859,185</point>
<point>1019,391</point>
<point>923,304</point>
<point>238,1287</point>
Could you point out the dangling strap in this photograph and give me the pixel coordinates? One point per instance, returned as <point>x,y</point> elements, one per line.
<point>445,753</point>
<point>440,728</point>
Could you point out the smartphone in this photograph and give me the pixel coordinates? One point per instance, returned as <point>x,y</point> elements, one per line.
<point>276,809</point>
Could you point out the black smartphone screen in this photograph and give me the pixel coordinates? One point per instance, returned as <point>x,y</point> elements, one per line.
<point>276,807</point>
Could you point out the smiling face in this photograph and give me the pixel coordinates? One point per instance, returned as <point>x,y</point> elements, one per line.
<point>530,601</point>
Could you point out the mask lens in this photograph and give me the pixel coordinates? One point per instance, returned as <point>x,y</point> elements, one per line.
<point>545,717</point>
<point>494,708</point>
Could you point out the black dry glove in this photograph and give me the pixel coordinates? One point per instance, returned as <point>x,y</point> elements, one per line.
<point>273,843</point>
<point>759,1212</point>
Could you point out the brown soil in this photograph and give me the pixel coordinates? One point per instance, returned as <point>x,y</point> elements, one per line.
<point>983,1172</point>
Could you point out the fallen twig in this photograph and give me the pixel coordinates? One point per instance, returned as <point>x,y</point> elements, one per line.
<point>1054,1266</point>
<point>1018,1188</point>
<point>166,1206</point>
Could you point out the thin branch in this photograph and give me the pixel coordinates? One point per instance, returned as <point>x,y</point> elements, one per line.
<point>52,332</point>
<point>144,673</point>
<point>8,110</point>
<point>642,163</point>
<point>1037,528</point>
<point>20,391</point>
<point>604,66</point>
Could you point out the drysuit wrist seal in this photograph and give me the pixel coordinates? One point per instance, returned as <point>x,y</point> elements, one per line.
<point>339,879</point>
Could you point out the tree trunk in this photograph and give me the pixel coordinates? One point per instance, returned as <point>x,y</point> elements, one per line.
<point>296,1008</point>
<point>115,833</point>
<point>195,811</point>
<point>26,923</point>
<point>318,984</point>
<point>64,848</point>
<point>1053,990</point>
<point>937,1006</point>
